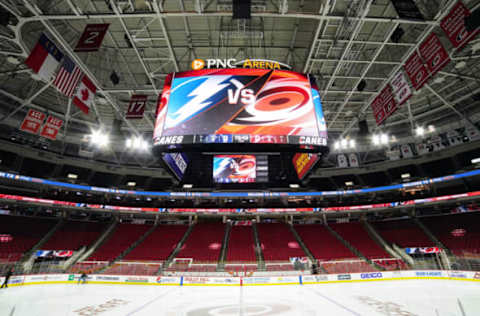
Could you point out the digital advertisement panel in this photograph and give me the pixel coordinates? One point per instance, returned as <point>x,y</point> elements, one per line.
<point>239,106</point>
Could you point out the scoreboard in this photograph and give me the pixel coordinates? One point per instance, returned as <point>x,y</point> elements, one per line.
<point>227,107</point>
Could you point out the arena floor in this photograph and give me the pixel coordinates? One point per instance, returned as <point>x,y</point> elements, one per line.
<point>408,297</point>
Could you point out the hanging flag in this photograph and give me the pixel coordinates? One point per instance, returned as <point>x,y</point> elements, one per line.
<point>68,77</point>
<point>44,58</point>
<point>453,24</point>
<point>51,127</point>
<point>136,107</point>
<point>85,93</point>
<point>92,38</point>
<point>32,121</point>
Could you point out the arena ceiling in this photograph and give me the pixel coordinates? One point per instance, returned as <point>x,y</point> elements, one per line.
<point>341,42</point>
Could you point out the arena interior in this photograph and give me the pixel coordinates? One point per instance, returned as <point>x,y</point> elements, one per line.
<point>239,157</point>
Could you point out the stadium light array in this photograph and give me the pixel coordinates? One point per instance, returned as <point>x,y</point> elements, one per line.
<point>420,131</point>
<point>344,143</point>
<point>131,184</point>
<point>72,176</point>
<point>137,143</point>
<point>99,138</point>
<point>380,139</point>
<point>405,175</point>
<point>188,186</point>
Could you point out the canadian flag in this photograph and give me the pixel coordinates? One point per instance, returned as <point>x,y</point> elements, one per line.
<point>85,93</point>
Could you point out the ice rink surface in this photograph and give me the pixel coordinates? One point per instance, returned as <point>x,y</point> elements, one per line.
<point>406,297</point>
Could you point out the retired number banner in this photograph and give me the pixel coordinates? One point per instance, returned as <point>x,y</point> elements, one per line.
<point>136,108</point>
<point>51,127</point>
<point>92,38</point>
<point>32,121</point>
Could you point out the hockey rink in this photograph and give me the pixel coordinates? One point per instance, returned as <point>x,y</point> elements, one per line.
<point>405,297</point>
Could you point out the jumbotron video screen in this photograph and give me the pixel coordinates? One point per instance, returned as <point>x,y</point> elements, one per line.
<point>240,168</point>
<point>239,106</point>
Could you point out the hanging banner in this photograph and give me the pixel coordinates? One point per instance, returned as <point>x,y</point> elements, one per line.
<point>416,71</point>
<point>421,148</point>
<point>136,108</point>
<point>342,161</point>
<point>406,151</point>
<point>92,38</point>
<point>51,127</point>
<point>434,54</point>
<point>353,160</point>
<point>383,105</point>
<point>32,121</point>
<point>453,24</point>
<point>401,89</point>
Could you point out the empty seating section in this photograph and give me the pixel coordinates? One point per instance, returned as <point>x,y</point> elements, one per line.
<point>241,245</point>
<point>278,243</point>
<point>322,244</point>
<point>88,267</point>
<point>125,268</point>
<point>403,233</point>
<point>72,235</point>
<point>204,243</point>
<point>158,245</point>
<point>123,237</point>
<point>240,269</point>
<point>359,238</point>
<point>26,232</point>
<point>347,266</point>
<point>391,264</point>
<point>449,230</point>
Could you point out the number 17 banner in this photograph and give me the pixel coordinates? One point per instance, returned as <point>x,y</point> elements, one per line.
<point>136,107</point>
<point>92,38</point>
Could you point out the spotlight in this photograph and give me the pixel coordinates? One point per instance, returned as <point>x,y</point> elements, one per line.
<point>336,145</point>
<point>419,131</point>
<point>131,184</point>
<point>99,138</point>
<point>431,128</point>
<point>352,143</point>
<point>383,139</point>
<point>343,143</point>
<point>375,139</point>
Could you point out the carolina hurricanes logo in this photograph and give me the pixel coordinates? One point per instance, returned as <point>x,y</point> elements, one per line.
<point>85,94</point>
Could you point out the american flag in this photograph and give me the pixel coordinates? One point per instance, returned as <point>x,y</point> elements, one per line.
<point>68,77</point>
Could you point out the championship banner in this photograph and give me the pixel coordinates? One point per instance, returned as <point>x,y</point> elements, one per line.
<point>401,89</point>
<point>416,71</point>
<point>51,127</point>
<point>434,54</point>
<point>92,38</point>
<point>303,162</point>
<point>454,26</point>
<point>32,121</point>
<point>136,108</point>
<point>384,105</point>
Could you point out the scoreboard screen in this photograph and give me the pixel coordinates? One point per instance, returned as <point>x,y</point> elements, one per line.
<point>233,106</point>
<point>240,168</point>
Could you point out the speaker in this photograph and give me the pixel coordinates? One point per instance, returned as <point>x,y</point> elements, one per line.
<point>397,35</point>
<point>114,78</point>
<point>242,9</point>
<point>472,22</point>
<point>363,128</point>
<point>361,86</point>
